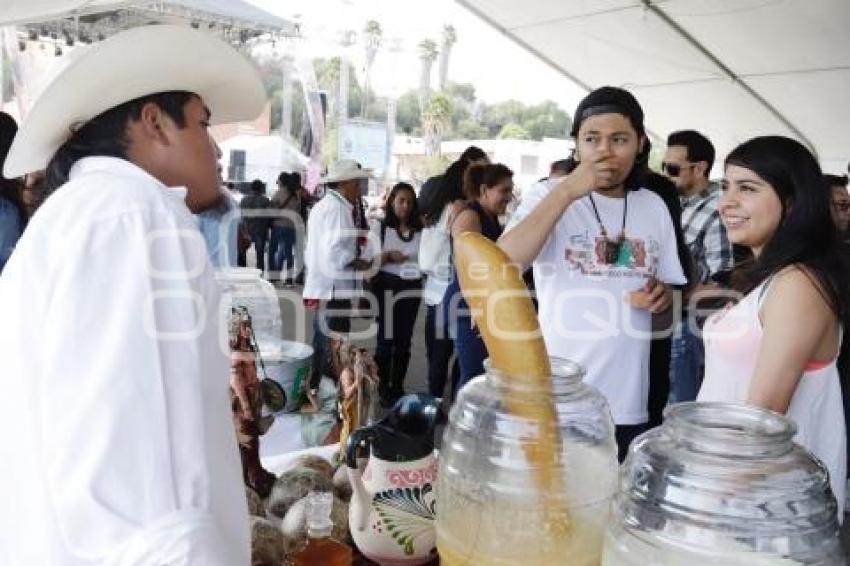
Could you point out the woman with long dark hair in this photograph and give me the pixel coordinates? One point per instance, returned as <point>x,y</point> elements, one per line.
<point>398,287</point>
<point>12,213</point>
<point>489,190</point>
<point>777,348</point>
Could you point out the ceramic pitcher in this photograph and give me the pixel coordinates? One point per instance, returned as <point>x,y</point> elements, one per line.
<point>392,510</point>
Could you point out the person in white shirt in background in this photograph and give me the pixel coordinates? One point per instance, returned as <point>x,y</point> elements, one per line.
<point>440,199</point>
<point>118,445</point>
<point>397,287</point>
<point>335,257</point>
<point>604,253</point>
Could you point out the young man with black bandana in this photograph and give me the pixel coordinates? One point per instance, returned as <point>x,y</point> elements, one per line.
<point>604,255</point>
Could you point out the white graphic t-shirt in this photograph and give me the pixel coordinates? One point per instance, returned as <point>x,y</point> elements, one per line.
<point>584,315</point>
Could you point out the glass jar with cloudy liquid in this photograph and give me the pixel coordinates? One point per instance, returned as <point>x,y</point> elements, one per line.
<point>245,287</point>
<point>722,484</point>
<point>489,508</point>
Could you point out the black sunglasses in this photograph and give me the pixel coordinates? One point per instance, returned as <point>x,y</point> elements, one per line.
<point>672,169</point>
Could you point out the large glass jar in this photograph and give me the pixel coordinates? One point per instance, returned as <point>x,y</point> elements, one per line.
<point>722,484</point>
<point>245,287</point>
<point>489,508</point>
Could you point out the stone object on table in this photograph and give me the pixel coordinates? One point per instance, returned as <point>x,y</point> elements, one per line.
<point>268,545</point>
<point>293,485</point>
<point>313,462</point>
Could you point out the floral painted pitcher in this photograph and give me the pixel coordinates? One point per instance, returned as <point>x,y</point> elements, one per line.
<point>391,517</point>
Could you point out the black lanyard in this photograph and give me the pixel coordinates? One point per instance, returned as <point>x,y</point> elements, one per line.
<point>612,247</point>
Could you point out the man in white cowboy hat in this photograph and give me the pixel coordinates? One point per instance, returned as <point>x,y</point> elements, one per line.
<point>117,442</point>
<point>335,256</point>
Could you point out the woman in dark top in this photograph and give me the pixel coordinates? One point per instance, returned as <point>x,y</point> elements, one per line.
<point>489,190</point>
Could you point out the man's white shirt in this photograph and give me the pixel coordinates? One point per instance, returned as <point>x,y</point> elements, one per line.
<point>118,444</point>
<point>332,244</point>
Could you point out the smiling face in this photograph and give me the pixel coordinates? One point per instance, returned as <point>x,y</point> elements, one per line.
<point>612,141</point>
<point>496,199</point>
<point>749,208</point>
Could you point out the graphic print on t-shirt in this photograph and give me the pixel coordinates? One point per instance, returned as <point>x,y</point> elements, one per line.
<point>635,257</point>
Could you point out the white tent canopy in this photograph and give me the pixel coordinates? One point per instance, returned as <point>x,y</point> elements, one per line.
<point>731,69</point>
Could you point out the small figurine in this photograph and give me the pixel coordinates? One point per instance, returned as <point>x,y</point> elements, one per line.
<point>246,400</point>
<point>358,386</point>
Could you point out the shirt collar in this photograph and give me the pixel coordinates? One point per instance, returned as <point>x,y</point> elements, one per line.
<point>703,194</point>
<point>123,167</point>
<point>341,198</point>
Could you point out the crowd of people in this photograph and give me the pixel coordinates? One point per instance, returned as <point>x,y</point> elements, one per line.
<point>663,287</point>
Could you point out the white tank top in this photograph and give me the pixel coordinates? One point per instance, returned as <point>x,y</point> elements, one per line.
<point>732,340</point>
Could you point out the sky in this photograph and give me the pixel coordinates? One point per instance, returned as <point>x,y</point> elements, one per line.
<point>498,68</point>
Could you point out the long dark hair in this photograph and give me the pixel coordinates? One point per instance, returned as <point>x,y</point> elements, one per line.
<point>289,181</point>
<point>488,175</point>
<point>391,220</point>
<point>105,134</point>
<point>806,235</point>
<point>451,185</point>
<point>10,189</point>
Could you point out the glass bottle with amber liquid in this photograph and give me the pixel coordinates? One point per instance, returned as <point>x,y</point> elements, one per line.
<point>320,548</point>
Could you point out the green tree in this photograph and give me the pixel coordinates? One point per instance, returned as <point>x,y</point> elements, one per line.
<point>546,120</point>
<point>470,130</point>
<point>408,113</point>
<point>513,131</point>
<point>462,91</point>
<point>495,117</point>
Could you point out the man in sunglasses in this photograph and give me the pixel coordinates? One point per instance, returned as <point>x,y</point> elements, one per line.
<point>687,163</point>
<point>839,200</point>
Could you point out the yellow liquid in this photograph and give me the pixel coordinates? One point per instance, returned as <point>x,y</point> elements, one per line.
<point>466,538</point>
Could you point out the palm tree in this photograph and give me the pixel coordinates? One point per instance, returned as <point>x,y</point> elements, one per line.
<point>436,121</point>
<point>427,55</point>
<point>372,36</point>
<point>449,39</point>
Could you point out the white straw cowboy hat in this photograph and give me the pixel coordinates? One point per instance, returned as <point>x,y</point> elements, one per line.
<point>131,64</point>
<point>346,170</point>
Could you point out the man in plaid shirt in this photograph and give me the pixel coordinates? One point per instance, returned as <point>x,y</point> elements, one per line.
<point>687,163</point>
